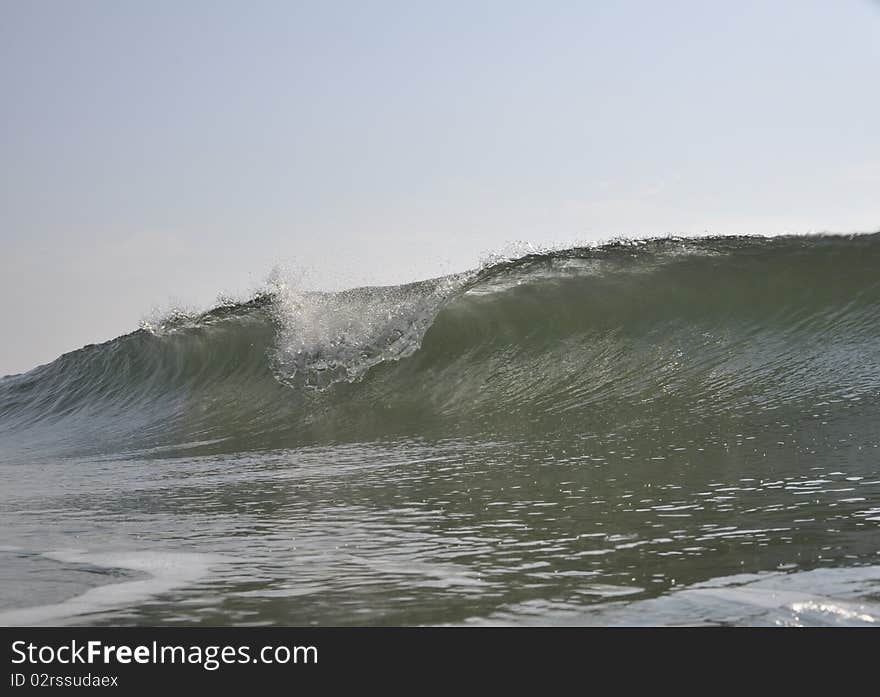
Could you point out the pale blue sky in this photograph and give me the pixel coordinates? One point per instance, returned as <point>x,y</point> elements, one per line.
<point>164,152</point>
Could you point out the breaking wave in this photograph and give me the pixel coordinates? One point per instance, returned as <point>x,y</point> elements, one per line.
<point>649,332</point>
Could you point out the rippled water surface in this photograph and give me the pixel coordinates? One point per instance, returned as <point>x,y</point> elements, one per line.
<point>450,532</point>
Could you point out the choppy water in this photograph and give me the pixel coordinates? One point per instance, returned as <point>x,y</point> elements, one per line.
<point>666,432</point>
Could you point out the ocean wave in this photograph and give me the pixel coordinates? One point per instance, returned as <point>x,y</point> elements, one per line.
<point>664,329</point>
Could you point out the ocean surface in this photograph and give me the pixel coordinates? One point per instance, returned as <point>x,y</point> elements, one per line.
<point>670,431</point>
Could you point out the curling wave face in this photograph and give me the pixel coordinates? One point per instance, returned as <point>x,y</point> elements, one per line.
<point>660,333</point>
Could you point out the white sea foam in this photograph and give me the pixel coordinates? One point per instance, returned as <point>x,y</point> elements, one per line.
<point>167,571</point>
<point>324,338</point>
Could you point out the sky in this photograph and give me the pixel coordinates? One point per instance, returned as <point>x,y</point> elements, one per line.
<point>159,154</point>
